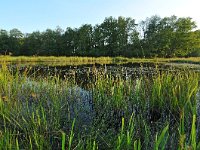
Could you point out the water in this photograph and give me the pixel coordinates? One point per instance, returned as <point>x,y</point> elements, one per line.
<point>84,73</point>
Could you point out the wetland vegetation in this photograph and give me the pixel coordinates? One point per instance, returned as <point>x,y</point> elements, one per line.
<point>142,106</point>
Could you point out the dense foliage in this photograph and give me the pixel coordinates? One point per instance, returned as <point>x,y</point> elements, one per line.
<point>155,36</point>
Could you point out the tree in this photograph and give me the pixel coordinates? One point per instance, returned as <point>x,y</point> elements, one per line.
<point>16,39</point>
<point>196,42</point>
<point>84,33</point>
<point>150,29</point>
<point>110,31</point>
<point>59,36</point>
<point>116,35</point>
<point>159,37</point>
<point>70,41</point>
<point>169,36</point>
<point>4,42</point>
<point>127,36</point>
<point>48,42</point>
<point>32,44</point>
<point>183,40</point>
<point>98,41</point>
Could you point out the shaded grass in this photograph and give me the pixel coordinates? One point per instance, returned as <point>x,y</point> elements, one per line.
<point>141,113</point>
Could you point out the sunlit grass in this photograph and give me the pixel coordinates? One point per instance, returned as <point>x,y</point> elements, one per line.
<point>91,60</point>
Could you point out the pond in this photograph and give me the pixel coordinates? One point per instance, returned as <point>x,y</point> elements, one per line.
<point>83,74</point>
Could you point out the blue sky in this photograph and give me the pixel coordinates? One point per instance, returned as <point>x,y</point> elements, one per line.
<point>32,15</point>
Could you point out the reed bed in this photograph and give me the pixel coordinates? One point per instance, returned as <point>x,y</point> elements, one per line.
<point>114,112</point>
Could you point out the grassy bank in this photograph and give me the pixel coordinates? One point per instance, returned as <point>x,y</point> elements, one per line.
<point>91,60</point>
<point>113,113</point>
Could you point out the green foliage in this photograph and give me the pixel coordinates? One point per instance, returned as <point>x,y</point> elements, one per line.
<point>169,36</point>
<point>153,37</point>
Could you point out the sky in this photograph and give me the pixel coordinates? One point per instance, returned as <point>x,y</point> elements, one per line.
<point>34,15</point>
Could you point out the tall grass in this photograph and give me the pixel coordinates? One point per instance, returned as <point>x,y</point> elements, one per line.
<point>123,113</point>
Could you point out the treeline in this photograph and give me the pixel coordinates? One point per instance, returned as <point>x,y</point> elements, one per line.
<point>153,37</point>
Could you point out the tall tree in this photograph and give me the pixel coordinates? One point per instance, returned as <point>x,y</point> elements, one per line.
<point>48,42</point>
<point>150,29</point>
<point>183,42</point>
<point>32,44</point>
<point>70,41</point>
<point>59,36</point>
<point>16,39</point>
<point>169,36</point>
<point>98,41</point>
<point>110,31</point>
<point>85,33</point>
<point>196,44</point>
<point>4,42</point>
<point>126,36</point>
